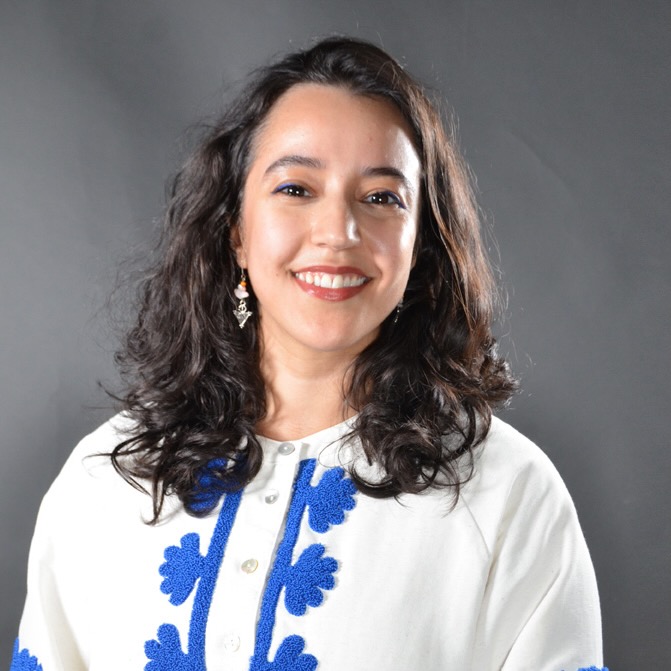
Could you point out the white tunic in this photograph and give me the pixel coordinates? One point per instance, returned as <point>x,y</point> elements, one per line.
<point>300,572</point>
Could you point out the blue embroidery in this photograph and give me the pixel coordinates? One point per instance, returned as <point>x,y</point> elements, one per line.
<point>289,657</point>
<point>307,578</point>
<point>183,568</point>
<point>594,668</point>
<point>166,652</point>
<point>312,573</point>
<point>304,582</point>
<point>23,661</point>
<point>209,488</point>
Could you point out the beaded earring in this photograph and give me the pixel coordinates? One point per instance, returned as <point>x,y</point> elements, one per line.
<point>241,312</point>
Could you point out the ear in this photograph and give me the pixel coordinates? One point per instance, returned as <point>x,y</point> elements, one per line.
<point>237,244</point>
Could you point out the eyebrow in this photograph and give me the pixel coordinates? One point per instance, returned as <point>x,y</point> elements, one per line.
<point>389,171</point>
<point>310,162</point>
<point>294,159</point>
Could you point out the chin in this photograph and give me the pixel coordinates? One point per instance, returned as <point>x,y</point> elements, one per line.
<point>339,340</point>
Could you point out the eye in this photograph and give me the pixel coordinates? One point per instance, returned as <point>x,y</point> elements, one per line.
<point>293,190</point>
<point>384,198</point>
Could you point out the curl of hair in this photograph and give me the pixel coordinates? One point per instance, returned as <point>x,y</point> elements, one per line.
<point>424,389</point>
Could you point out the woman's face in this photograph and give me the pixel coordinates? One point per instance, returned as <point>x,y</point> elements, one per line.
<point>329,219</point>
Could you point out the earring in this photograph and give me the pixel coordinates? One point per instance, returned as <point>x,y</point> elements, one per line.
<point>398,311</point>
<point>241,312</point>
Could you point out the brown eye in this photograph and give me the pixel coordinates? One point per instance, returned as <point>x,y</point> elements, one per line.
<point>384,198</point>
<point>293,190</point>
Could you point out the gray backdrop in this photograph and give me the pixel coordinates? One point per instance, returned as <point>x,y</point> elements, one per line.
<point>564,117</point>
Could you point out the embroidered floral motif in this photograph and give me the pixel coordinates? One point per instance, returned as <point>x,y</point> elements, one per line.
<point>328,501</point>
<point>304,581</point>
<point>166,652</point>
<point>183,569</point>
<point>289,657</point>
<point>312,573</point>
<point>23,660</point>
<point>209,488</point>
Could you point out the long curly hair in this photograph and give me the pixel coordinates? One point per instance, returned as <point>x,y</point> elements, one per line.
<point>424,390</point>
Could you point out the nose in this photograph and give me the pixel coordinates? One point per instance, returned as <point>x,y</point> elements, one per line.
<point>334,225</point>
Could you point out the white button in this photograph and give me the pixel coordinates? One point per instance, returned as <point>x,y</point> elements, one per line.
<point>231,642</point>
<point>271,496</point>
<point>286,448</point>
<point>250,565</point>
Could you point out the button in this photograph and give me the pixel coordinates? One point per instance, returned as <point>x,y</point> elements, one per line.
<point>286,448</point>
<point>231,642</point>
<point>250,565</point>
<point>271,496</point>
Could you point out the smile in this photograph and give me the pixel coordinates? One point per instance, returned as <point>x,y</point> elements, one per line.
<point>331,281</point>
<point>331,286</point>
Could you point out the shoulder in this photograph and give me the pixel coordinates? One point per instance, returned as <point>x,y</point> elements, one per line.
<point>514,485</point>
<point>88,478</point>
<point>541,577</point>
<point>91,455</point>
<point>506,458</point>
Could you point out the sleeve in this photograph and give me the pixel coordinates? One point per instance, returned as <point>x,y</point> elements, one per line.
<point>541,606</point>
<point>45,641</point>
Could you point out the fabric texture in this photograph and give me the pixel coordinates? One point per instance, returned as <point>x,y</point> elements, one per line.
<point>299,572</point>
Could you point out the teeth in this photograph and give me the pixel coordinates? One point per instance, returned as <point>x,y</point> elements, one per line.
<point>328,281</point>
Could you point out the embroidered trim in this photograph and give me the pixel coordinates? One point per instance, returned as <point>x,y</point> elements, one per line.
<point>209,487</point>
<point>23,661</point>
<point>594,668</point>
<point>303,581</point>
<point>184,566</point>
<point>312,573</point>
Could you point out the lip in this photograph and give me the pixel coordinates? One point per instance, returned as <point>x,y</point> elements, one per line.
<point>328,293</point>
<point>332,270</point>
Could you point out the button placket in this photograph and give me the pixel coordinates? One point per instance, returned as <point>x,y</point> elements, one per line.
<point>249,554</point>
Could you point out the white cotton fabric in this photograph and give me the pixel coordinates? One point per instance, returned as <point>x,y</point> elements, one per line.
<point>502,582</point>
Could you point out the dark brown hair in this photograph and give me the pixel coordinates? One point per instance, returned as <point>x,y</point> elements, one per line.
<point>424,390</point>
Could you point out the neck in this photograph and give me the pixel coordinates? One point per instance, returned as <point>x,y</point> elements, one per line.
<point>304,391</point>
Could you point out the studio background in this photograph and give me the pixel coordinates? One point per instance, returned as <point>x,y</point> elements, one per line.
<point>563,112</point>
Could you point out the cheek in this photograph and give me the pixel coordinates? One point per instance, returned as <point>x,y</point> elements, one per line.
<point>397,247</point>
<point>270,242</point>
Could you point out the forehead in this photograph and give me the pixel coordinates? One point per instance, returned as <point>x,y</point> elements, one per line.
<point>328,117</point>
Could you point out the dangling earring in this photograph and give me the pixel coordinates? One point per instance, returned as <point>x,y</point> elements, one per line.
<point>241,312</point>
<point>398,311</point>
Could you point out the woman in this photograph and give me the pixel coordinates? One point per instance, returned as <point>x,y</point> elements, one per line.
<point>310,386</point>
